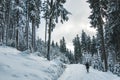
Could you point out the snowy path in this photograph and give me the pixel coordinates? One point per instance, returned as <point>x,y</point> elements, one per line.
<point>78,72</point>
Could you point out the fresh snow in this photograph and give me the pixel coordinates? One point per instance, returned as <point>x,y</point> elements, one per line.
<point>16,65</point>
<point>78,72</point>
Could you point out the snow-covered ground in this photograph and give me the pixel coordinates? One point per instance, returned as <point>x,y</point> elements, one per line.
<point>15,65</point>
<point>78,72</point>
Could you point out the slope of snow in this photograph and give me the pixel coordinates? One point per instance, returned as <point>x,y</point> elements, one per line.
<point>78,72</point>
<point>16,66</point>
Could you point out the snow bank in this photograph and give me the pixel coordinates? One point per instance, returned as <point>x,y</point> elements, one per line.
<point>8,50</point>
<point>14,66</point>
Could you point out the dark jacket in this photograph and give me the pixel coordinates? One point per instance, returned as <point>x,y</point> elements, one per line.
<point>87,65</point>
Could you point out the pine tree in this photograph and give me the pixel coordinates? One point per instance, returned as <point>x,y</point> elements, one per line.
<point>34,10</point>
<point>93,46</point>
<point>17,19</point>
<point>7,5</point>
<point>84,41</point>
<point>77,49</point>
<point>96,17</point>
<point>27,23</point>
<point>88,44</point>
<point>62,45</point>
<point>45,16</point>
<point>71,57</point>
<point>2,18</point>
<point>113,26</point>
<point>53,44</point>
<point>55,10</point>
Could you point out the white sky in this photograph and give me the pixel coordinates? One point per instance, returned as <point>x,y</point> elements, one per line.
<point>77,21</point>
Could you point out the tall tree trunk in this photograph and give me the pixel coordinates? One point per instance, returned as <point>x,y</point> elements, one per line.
<point>7,18</point>
<point>49,39</point>
<point>17,32</point>
<point>49,31</point>
<point>104,55</point>
<point>118,47</point>
<point>46,31</point>
<point>27,24</point>
<point>46,36</point>
<point>33,35</point>
<point>4,22</point>
<point>17,39</point>
<point>6,35</point>
<point>17,29</point>
<point>2,34</point>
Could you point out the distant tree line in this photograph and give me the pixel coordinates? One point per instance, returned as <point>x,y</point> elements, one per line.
<point>69,54</point>
<point>83,45</point>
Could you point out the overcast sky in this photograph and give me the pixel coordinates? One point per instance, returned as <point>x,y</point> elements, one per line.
<point>78,21</point>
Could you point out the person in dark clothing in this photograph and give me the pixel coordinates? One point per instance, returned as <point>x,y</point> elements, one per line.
<point>87,66</point>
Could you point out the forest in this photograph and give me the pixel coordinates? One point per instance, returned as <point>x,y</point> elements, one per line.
<point>19,20</point>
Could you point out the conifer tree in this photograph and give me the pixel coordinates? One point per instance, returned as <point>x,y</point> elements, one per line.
<point>18,11</point>
<point>84,41</point>
<point>113,29</point>
<point>55,10</point>
<point>93,46</point>
<point>27,24</point>
<point>53,44</point>
<point>34,9</point>
<point>88,44</point>
<point>2,20</point>
<point>62,45</point>
<point>77,49</point>
<point>96,17</point>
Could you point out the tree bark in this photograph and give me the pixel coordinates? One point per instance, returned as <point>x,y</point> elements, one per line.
<point>33,35</point>
<point>3,34</point>
<point>49,31</point>
<point>17,39</point>
<point>49,39</point>
<point>104,55</point>
<point>27,25</point>
<point>45,32</point>
<point>17,31</point>
<point>0,34</point>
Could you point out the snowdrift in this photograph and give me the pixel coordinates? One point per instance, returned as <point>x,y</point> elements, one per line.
<point>15,65</point>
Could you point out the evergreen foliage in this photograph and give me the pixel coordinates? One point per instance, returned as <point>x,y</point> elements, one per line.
<point>97,14</point>
<point>84,41</point>
<point>77,49</point>
<point>93,46</point>
<point>63,45</point>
